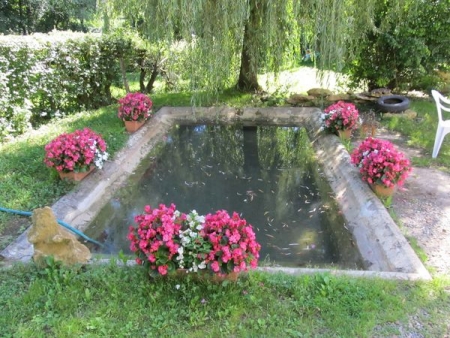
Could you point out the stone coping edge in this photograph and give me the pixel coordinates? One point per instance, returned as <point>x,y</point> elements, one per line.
<point>304,271</point>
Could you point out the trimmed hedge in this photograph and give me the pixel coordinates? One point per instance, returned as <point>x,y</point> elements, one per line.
<point>46,76</point>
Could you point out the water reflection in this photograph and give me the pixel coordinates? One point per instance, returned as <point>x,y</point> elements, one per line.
<point>267,174</point>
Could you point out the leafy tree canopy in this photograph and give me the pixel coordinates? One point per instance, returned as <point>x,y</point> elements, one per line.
<point>232,40</point>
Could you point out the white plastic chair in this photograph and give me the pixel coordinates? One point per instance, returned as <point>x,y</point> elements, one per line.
<point>444,125</point>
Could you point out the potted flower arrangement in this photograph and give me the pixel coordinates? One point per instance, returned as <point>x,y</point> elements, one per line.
<point>166,240</point>
<point>75,155</point>
<point>341,118</point>
<point>134,110</point>
<point>381,165</point>
<point>234,246</point>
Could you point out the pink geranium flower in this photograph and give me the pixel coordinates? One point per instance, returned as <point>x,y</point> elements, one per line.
<point>227,252</point>
<point>76,151</point>
<point>135,107</point>
<point>339,116</point>
<point>379,162</point>
<point>166,239</point>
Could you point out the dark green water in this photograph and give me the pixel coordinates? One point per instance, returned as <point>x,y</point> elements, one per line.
<point>267,174</point>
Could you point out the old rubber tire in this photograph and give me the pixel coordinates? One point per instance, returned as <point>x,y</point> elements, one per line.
<point>393,103</point>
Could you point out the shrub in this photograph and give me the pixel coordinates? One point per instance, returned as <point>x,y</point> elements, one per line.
<point>44,76</point>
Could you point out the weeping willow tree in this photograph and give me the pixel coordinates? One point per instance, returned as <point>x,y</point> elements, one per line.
<point>232,41</point>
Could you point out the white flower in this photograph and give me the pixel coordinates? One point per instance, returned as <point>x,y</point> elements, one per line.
<point>177,286</point>
<point>194,267</point>
<point>202,265</point>
<point>185,240</point>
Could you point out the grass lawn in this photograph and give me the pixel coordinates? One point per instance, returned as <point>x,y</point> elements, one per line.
<point>112,301</point>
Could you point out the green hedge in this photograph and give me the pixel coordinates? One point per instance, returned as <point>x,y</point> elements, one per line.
<point>54,76</point>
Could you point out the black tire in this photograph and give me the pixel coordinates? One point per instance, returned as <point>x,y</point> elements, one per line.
<point>393,103</point>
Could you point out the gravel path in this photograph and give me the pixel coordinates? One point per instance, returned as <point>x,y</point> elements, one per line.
<point>422,208</point>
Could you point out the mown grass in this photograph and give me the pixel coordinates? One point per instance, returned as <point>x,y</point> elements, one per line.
<point>26,183</point>
<point>113,301</point>
<point>109,301</point>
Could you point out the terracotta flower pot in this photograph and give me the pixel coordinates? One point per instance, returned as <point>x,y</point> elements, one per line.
<point>75,176</point>
<point>345,134</point>
<point>382,191</point>
<point>232,277</point>
<point>132,126</point>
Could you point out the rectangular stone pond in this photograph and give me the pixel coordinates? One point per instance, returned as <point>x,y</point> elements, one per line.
<point>268,174</point>
<point>384,250</point>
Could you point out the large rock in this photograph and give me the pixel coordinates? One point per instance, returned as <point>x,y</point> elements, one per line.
<point>319,92</point>
<point>297,99</point>
<point>379,92</point>
<point>339,97</point>
<point>50,239</point>
<point>365,97</point>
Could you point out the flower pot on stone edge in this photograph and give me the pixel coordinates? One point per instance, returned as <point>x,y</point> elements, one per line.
<point>382,191</point>
<point>75,176</point>
<point>133,126</point>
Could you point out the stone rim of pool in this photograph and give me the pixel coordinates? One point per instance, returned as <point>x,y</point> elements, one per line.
<point>383,247</point>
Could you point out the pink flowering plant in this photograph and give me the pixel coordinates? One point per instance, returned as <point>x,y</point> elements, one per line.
<point>135,107</point>
<point>379,162</point>
<point>340,116</point>
<point>155,240</point>
<point>76,151</point>
<point>166,239</point>
<point>234,245</point>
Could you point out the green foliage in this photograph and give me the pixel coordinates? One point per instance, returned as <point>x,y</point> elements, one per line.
<point>406,46</point>
<point>230,41</point>
<point>53,79</point>
<point>28,16</point>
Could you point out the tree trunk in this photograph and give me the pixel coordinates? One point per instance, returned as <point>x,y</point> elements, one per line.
<point>124,74</point>
<point>152,79</point>
<point>106,21</point>
<point>22,19</point>
<point>142,74</point>
<point>248,74</point>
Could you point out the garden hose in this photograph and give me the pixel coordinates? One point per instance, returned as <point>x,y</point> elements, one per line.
<point>65,225</point>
